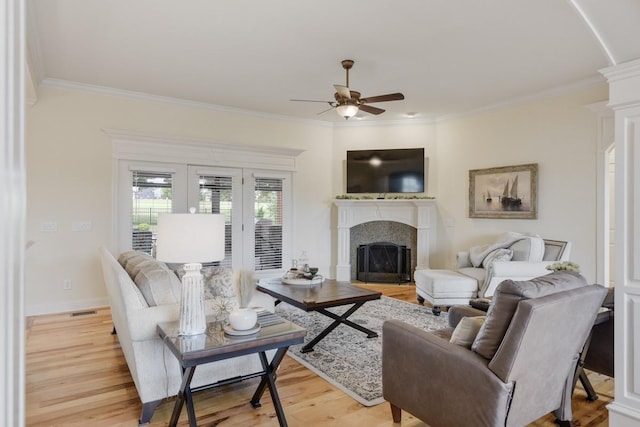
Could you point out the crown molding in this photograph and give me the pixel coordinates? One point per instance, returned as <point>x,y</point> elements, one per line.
<point>108,91</point>
<point>513,102</point>
<point>141,96</point>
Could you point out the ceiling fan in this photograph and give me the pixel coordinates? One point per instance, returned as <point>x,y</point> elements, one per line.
<point>348,102</point>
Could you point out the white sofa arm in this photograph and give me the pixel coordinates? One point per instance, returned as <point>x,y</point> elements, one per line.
<point>462,260</point>
<point>514,269</point>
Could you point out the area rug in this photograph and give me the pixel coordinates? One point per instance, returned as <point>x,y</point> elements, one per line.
<point>346,357</point>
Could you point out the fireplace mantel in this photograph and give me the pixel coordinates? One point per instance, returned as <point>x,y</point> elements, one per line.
<point>418,213</point>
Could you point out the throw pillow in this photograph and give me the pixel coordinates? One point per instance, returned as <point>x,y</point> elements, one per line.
<point>127,256</point>
<point>505,301</point>
<point>465,332</point>
<point>158,284</point>
<point>497,255</point>
<point>217,281</point>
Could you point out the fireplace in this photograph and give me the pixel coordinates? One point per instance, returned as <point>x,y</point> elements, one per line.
<point>419,214</point>
<point>384,262</point>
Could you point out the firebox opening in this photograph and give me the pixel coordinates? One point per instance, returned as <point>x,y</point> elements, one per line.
<point>384,262</point>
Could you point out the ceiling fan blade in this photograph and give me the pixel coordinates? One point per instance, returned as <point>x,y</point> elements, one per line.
<point>383,98</point>
<point>371,110</point>
<point>343,91</point>
<point>310,100</point>
<point>328,109</point>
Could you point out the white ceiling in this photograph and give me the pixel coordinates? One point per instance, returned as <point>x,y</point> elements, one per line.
<point>448,57</point>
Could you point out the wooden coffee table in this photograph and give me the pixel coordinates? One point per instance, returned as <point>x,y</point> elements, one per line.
<point>329,293</point>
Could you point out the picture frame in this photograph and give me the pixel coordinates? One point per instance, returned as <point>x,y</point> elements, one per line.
<point>507,192</point>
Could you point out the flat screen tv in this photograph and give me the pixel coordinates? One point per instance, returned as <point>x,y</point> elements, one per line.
<point>385,171</point>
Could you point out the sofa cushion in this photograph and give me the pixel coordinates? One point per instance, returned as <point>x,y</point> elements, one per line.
<point>529,249</point>
<point>505,301</point>
<point>465,332</point>
<point>158,284</point>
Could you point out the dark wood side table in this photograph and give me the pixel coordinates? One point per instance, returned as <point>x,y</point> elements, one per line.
<point>319,297</point>
<point>214,345</point>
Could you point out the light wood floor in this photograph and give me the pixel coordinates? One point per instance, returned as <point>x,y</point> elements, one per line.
<point>77,376</point>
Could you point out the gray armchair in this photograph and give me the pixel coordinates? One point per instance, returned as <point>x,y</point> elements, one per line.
<point>519,367</point>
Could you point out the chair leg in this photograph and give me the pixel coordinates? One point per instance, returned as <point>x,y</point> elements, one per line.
<point>396,413</point>
<point>565,423</point>
<point>148,409</point>
<point>420,299</point>
<point>436,310</point>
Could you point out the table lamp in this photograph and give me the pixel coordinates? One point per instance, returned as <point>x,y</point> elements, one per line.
<point>191,239</point>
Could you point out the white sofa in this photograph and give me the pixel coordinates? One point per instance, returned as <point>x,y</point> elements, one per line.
<point>134,287</point>
<point>478,277</point>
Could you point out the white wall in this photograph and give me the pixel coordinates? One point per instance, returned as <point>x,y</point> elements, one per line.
<point>560,134</point>
<point>69,168</point>
<point>69,176</point>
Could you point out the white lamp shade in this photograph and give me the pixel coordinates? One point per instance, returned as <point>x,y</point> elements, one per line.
<point>188,238</point>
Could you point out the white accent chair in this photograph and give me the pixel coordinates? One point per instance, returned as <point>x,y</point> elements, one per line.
<point>444,288</point>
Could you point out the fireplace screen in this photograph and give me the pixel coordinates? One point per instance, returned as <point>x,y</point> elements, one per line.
<point>384,262</point>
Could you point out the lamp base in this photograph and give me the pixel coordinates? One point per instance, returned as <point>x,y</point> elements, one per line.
<point>192,318</point>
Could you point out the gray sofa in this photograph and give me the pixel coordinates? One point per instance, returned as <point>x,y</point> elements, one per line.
<point>144,292</point>
<point>519,367</point>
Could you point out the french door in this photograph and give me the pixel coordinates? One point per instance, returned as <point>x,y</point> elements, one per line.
<point>256,205</point>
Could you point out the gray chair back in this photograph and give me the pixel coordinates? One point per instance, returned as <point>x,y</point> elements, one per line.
<point>529,349</point>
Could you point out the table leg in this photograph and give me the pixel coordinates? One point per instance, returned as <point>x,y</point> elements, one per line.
<point>338,320</point>
<point>184,395</point>
<point>269,379</point>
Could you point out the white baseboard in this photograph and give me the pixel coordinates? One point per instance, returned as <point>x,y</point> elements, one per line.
<point>623,415</point>
<point>40,309</point>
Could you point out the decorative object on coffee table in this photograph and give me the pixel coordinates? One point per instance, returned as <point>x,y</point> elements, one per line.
<point>244,318</point>
<point>191,239</point>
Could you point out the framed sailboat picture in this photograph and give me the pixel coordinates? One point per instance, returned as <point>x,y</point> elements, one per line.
<point>504,192</point>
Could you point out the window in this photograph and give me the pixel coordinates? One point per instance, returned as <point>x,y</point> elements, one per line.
<point>151,195</point>
<point>268,223</point>
<point>216,190</point>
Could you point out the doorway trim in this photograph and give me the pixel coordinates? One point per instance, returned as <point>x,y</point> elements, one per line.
<point>605,144</point>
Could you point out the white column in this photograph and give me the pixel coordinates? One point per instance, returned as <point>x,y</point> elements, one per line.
<point>426,230</point>
<point>624,98</point>
<point>343,268</point>
<point>12,213</point>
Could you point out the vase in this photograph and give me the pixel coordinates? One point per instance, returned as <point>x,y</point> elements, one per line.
<point>242,319</point>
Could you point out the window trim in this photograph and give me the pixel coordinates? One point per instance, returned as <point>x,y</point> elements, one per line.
<point>160,153</point>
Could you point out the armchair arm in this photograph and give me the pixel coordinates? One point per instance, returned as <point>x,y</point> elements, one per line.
<point>456,377</point>
<point>516,269</point>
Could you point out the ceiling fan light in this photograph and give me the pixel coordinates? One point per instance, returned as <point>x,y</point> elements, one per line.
<point>347,110</point>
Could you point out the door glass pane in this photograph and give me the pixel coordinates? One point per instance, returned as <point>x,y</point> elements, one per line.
<point>216,197</point>
<point>151,195</point>
<point>268,223</point>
